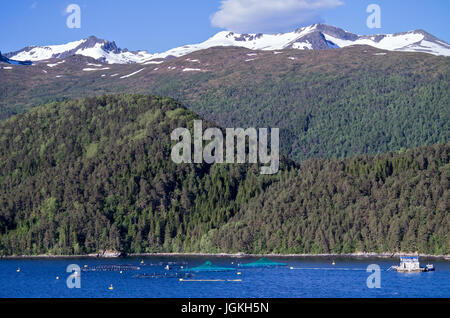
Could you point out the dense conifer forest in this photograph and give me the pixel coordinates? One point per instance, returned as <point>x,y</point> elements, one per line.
<point>94,174</point>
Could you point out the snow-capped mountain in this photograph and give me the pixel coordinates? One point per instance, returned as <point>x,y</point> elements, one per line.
<point>99,49</point>
<point>320,37</point>
<point>314,37</point>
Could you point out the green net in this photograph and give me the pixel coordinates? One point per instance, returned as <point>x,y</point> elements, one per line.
<point>262,262</point>
<point>208,267</point>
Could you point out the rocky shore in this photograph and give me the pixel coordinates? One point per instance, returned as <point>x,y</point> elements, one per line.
<point>114,254</point>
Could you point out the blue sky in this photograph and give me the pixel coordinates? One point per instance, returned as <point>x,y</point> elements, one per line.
<point>157,26</point>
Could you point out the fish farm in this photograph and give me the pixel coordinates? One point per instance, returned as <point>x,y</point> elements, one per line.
<point>111,268</point>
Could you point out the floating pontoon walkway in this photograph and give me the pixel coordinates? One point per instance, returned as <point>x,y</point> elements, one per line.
<point>262,262</point>
<point>111,268</point>
<point>165,275</point>
<point>208,267</point>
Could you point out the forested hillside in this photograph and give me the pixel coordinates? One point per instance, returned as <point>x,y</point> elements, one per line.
<point>327,103</point>
<point>332,104</point>
<point>86,175</point>
<point>397,202</point>
<point>95,174</point>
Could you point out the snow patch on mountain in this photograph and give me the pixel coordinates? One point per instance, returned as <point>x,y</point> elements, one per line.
<point>187,69</point>
<point>88,69</point>
<point>40,53</point>
<point>92,64</point>
<point>134,73</point>
<point>152,62</point>
<point>56,64</point>
<point>302,46</point>
<point>99,53</point>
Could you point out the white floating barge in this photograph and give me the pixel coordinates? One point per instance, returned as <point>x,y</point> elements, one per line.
<point>410,264</point>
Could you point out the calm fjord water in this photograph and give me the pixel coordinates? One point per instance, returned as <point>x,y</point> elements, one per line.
<point>311,277</point>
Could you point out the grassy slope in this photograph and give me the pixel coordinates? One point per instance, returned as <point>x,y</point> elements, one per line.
<point>334,103</point>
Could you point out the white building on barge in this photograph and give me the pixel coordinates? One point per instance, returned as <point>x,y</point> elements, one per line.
<point>411,264</point>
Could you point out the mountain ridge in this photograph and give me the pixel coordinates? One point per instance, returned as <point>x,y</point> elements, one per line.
<point>313,37</point>
<point>99,49</point>
<point>354,101</point>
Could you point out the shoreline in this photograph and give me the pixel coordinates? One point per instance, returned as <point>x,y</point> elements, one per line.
<point>235,255</point>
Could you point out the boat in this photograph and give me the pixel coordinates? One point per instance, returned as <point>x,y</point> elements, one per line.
<point>429,268</point>
<point>411,264</point>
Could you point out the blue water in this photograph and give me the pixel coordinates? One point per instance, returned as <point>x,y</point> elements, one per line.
<point>311,277</point>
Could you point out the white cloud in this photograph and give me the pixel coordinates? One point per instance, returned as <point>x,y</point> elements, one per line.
<point>251,16</point>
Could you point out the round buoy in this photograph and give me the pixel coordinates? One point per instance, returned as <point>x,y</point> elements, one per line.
<point>292,267</point>
<point>18,270</point>
<point>57,277</point>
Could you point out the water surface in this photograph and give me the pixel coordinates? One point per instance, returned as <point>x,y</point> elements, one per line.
<point>302,277</point>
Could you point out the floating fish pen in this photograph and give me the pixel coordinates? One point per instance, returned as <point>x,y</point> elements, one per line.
<point>165,275</point>
<point>111,268</point>
<point>208,267</point>
<point>262,262</point>
<point>410,264</point>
